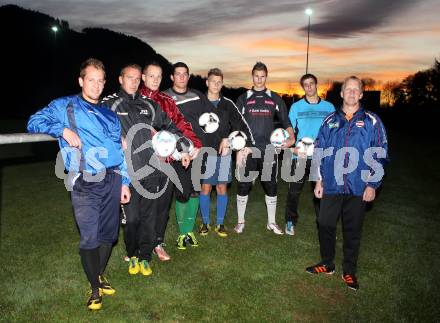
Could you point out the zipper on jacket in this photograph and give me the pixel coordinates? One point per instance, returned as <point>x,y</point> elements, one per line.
<point>347,136</point>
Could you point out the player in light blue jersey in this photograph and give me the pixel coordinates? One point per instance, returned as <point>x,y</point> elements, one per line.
<point>306,117</point>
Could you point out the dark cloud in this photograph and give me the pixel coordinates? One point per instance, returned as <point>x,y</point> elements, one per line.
<point>174,20</point>
<point>171,19</point>
<point>349,18</point>
<point>211,18</point>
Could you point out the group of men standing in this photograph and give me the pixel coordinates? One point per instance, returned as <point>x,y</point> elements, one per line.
<point>93,134</point>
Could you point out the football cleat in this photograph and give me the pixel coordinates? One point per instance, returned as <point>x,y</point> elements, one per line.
<point>275,228</point>
<point>221,231</point>
<point>145,268</point>
<point>290,228</point>
<point>239,227</point>
<point>133,266</point>
<point>321,268</point>
<point>95,300</point>
<point>351,281</point>
<point>105,287</point>
<point>161,253</point>
<point>191,239</point>
<point>181,242</point>
<point>204,229</point>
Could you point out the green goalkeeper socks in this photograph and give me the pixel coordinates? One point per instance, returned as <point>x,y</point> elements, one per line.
<point>186,215</point>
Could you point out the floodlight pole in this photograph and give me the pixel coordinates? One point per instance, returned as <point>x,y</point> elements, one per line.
<point>308,43</point>
<point>308,13</point>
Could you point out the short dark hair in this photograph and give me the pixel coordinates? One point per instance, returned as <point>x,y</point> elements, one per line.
<point>96,63</point>
<point>180,64</point>
<point>306,77</point>
<point>216,72</point>
<point>259,66</point>
<point>151,63</point>
<point>131,65</point>
<point>354,78</point>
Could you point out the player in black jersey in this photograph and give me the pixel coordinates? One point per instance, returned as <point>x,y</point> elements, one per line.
<point>217,167</point>
<point>192,104</point>
<point>261,108</point>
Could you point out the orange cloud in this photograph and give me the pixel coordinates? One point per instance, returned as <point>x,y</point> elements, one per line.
<point>281,44</point>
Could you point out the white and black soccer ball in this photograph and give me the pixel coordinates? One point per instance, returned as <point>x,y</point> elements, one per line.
<point>306,146</point>
<point>183,145</point>
<point>237,140</point>
<point>278,136</point>
<point>164,143</point>
<point>209,122</point>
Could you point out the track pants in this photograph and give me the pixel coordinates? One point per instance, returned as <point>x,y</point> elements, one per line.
<point>352,210</point>
<point>294,192</point>
<point>146,217</point>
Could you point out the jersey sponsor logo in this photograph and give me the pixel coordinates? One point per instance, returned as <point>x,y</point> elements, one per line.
<point>332,125</point>
<point>312,114</point>
<point>146,112</point>
<point>94,112</point>
<point>270,102</point>
<point>122,113</point>
<point>359,124</point>
<point>251,102</point>
<point>260,112</point>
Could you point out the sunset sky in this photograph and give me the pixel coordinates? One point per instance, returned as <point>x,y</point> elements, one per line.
<point>384,40</point>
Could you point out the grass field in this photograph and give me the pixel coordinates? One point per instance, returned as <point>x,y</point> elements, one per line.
<point>254,277</point>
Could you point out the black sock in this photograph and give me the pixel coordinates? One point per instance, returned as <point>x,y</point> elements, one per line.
<point>105,249</point>
<point>90,263</point>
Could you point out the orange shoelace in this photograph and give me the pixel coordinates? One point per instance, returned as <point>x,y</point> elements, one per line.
<point>348,279</point>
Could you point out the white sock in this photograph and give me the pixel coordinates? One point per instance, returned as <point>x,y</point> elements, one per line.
<point>241,207</point>
<point>271,204</point>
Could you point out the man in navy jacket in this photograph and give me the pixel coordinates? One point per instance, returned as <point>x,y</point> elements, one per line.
<point>352,149</point>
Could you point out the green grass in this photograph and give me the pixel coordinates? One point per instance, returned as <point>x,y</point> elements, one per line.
<point>253,277</point>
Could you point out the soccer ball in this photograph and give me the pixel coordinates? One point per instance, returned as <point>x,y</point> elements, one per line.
<point>209,122</point>
<point>278,136</point>
<point>237,140</point>
<point>164,143</point>
<point>183,145</point>
<point>306,146</point>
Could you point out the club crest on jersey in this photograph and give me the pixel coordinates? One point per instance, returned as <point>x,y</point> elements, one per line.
<point>359,124</point>
<point>270,102</point>
<point>332,125</point>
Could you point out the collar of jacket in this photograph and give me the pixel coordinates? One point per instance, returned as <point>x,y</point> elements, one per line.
<point>91,103</point>
<point>180,93</point>
<point>259,91</point>
<point>220,97</point>
<point>148,93</point>
<point>357,114</point>
<point>127,96</point>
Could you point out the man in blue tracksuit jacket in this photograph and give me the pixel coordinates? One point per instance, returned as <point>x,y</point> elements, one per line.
<point>306,117</point>
<point>352,149</point>
<point>89,136</point>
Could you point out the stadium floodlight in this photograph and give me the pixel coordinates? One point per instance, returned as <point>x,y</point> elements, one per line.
<point>308,12</point>
<point>54,29</point>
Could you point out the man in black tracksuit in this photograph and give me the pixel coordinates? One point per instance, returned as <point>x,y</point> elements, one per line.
<point>261,108</point>
<point>140,117</point>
